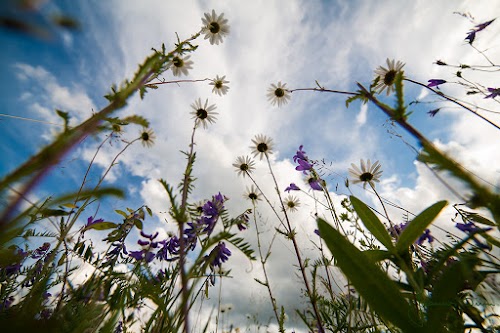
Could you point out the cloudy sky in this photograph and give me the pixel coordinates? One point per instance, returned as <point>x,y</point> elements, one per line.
<point>336,43</point>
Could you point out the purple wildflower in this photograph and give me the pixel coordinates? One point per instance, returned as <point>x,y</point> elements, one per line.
<point>481,26</point>
<point>170,249</point>
<point>425,236</point>
<point>147,244</point>
<point>300,155</point>
<point>41,251</point>
<point>142,255</point>
<point>435,82</point>
<point>471,35</point>
<point>292,187</point>
<point>315,184</point>
<point>301,158</point>
<point>494,92</point>
<point>471,228</point>
<point>432,113</point>
<point>303,166</point>
<point>91,221</point>
<point>219,254</point>
<point>396,230</point>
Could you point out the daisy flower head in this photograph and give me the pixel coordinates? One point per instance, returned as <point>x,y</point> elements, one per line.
<point>214,27</point>
<point>262,146</point>
<point>147,137</point>
<point>180,65</point>
<point>278,94</point>
<point>244,165</point>
<point>203,114</point>
<point>387,76</point>
<point>291,203</point>
<point>368,174</point>
<point>220,85</point>
<point>252,194</point>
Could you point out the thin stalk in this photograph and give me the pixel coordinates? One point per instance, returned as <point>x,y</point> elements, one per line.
<point>292,237</point>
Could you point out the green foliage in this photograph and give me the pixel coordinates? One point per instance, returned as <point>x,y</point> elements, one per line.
<point>370,281</point>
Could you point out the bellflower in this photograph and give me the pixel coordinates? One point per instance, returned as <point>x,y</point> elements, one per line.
<point>435,83</point>
<point>494,92</point>
<point>292,187</point>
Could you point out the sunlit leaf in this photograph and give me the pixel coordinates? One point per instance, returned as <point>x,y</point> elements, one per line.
<point>371,222</point>
<point>417,226</point>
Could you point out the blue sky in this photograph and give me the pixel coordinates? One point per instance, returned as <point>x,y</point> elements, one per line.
<point>337,43</point>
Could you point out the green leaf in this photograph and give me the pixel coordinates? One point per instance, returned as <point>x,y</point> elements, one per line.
<point>122,213</point>
<point>381,293</point>
<point>377,255</point>
<point>101,226</point>
<point>418,225</point>
<point>445,293</point>
<point>371,222</point>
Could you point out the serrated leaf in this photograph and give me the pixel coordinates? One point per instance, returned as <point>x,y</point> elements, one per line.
<point>417,226</point>
<point>371,222</point>
<point>381,293</point>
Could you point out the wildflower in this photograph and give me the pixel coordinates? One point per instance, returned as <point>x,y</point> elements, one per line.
<point>91,221</point>
<point>244,165</point>
<point>432,113</point>
<point>147,137</point>
<point>315,183</point>
<point>278,94</point>
<point>147,244</point>
<point>219,255</point>
<point>397,229</point>
<point>470,228</point>
<point>291,203</point>
<point>220,87</point>
<point>215,27</point>
<point>180,65</point>
<point>494,92</point>
<point>292,187</point>
<point>471,35</point>
<point>262,146</point>
<point>170,249</point>
<point>212,209</point>
<point>203,113</point>
<point>41,251</point>
<point>368,174</point>
<point>252,194</point>
<point>435,83</point>
<point>387,75</point>
<point>425,236</point>
<point>242,220</point>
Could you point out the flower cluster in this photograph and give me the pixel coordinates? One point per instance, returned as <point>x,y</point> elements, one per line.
<point>170,249</point>
<point>471,229</point>
<point>205,224</point>
<point>147,244</point>
<point>218,255</point>
<point>306,167</point>
<point>395,231</point>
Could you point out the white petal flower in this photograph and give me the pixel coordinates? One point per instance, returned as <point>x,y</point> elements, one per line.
<point>180,65</point>
<point>215,27</point>
<point>369,174</point>
<point>244,165</point>
<point>252,194</point>
<point>291,203</point>
<point>262,146</point>
<point>203,114</point>
<point>220,85</point>
<point>278,94</point>
<point>387,75</point>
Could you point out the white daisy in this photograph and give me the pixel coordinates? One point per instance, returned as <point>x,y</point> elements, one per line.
<point>278,94</point>
<point>244,165</point>
<point>252,194</point>
<point>180,65</point>
<point>220,85</point>
<point>203,114</point>
<point>387,76</point>
<point>215,27</point>
<point>291,203</point>
<point>369,174</point>
<point>262,146</point>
